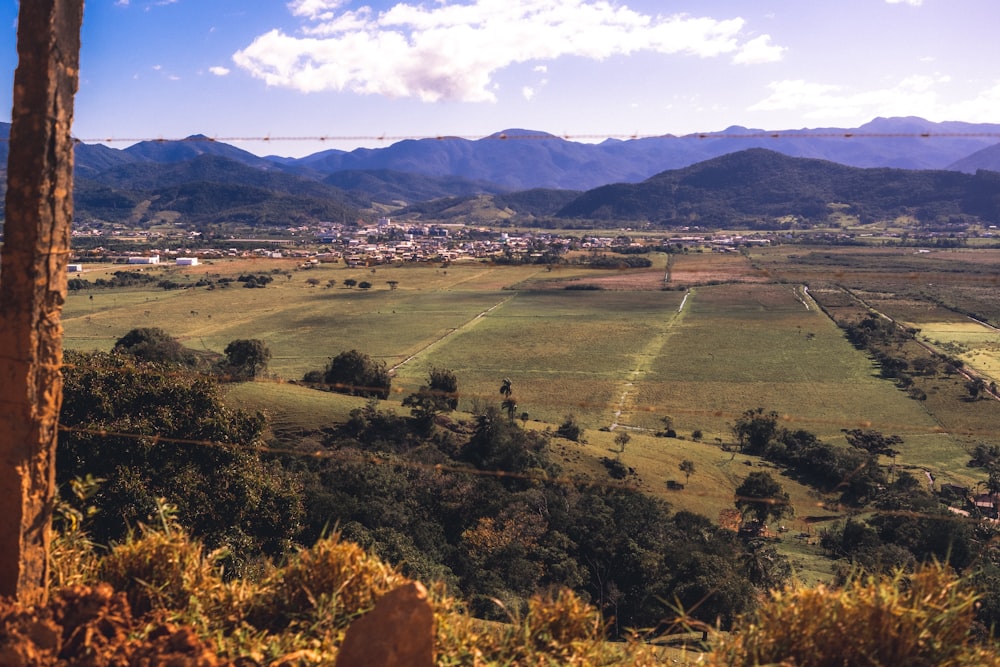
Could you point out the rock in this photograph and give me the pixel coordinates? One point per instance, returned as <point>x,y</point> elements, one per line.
<point>398,632</point>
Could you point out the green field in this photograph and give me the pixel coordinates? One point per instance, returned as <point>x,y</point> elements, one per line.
<point>621,357</point>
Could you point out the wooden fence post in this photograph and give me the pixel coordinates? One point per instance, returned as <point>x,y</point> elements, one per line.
<point>33,286</point>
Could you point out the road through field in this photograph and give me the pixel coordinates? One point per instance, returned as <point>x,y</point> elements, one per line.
<point>652,350</point>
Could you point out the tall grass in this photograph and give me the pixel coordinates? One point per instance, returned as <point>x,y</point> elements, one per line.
<point>924,619</point>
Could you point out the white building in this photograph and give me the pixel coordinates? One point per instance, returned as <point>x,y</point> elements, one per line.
<point>152,259</point>
<point>186,261</point>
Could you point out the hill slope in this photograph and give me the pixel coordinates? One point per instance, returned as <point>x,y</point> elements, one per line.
<point>757,186</point>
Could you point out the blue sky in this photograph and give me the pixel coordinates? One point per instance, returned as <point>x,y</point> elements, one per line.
<point>586,69</point>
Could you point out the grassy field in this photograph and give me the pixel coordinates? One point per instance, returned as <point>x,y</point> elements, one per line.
<point>722,340</point>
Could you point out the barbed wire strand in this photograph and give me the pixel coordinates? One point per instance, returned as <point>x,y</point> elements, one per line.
<point>582,137</point>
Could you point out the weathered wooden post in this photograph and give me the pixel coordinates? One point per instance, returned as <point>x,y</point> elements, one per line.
<point>33,286</point>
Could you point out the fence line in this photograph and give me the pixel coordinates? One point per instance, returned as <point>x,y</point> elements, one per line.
<point>586,138</point>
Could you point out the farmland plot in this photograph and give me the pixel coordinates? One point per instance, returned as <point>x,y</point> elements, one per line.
<point>746,346</point>
<point>564,351</point>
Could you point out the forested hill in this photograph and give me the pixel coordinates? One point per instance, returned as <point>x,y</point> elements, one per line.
<point>208,189</point>
<point>755,187</point>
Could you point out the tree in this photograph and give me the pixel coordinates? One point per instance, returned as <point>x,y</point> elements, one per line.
<point>976,388</point>
<point>570,429</point>
<point>687,467</point>
<point>153,344</point>
<point>364,284</point>
<point>132,424</point>
<point>668,428</point>
<point>506,387</point>
<point>312,282</point>
<point>754,430</point>
<point>358,374</point>
<point>622,439</point>
<point>350,282</point>
<point>246,358</point>
<point>760,497</point>
<point>874,443</point>
<point>438,395</point>
<point>393,284</point>
<point>444,382</point>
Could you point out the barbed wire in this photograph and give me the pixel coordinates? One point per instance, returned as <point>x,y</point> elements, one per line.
<point>540,136</point>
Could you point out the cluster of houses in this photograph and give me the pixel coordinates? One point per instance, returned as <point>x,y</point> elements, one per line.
<point>386,242</point>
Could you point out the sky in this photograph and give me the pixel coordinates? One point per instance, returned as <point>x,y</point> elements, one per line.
<point>291,78</point>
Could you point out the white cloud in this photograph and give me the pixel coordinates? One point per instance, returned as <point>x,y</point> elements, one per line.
<point>912,96</point>
<point>980,109</point>
<point>219,71</point>
<point>528,92</point>
<point>759,50</point>
<point>912,3</point>
<point>447,50</point>
<point>315,9</point>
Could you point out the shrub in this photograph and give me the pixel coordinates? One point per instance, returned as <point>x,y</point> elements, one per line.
<point>570,429</point>
<point>153,344</point>
<point>358,374</point>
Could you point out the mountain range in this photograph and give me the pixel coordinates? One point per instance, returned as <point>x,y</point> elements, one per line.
<point>206,180</point>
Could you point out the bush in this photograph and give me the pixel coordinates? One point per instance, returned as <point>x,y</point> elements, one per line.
<point>570,430</point>
<point>154,344</point>
<point>358,374</point>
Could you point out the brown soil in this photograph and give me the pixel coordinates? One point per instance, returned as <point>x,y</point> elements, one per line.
<point>94,627</point>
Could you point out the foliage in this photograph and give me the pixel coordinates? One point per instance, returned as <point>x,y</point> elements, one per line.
<point>760,497</point>
<point>353,372</point>
<point>498,444</point>
<point>153,432</point>
<point>924,619</point>
<point>440,394</point>
<point>570,429</point>
<point>332,577</point>
<point>755,430</point>
<point>154,344</point>
<point>445,383</point>
<point>246,358</point>
<point>159,569</point>
<point>300,611</point>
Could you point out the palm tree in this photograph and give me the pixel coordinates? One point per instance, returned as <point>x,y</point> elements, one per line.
<point>505,387</point>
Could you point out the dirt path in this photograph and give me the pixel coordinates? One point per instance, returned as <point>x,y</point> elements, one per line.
<point>643,360</point>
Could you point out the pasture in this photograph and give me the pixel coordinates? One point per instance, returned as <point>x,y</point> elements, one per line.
<point>622,357</point>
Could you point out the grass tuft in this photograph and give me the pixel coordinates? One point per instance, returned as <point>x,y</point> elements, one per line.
<point>923,619</point>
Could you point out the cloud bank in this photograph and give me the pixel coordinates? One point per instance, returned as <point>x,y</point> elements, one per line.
<point>452,51</point>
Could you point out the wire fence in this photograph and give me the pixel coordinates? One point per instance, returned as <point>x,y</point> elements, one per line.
<point>541,136</point>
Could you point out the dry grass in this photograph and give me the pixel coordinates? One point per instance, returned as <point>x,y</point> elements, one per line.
<point>299,612</point>
<point>923,619</point>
